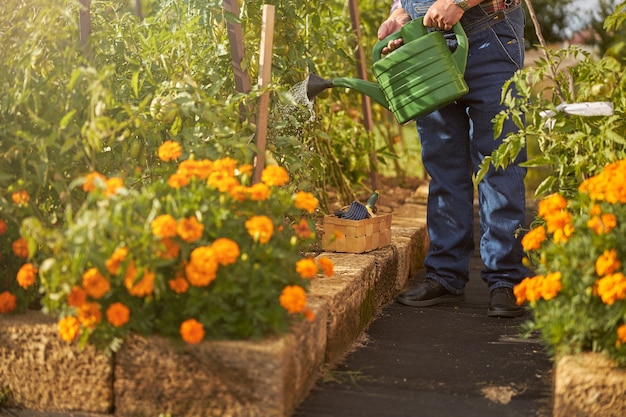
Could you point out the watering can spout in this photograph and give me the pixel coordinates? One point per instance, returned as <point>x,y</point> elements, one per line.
<point>317,84</point>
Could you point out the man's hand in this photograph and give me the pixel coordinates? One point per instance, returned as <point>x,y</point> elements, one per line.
<point>393,24</point>
<point>443,15</point>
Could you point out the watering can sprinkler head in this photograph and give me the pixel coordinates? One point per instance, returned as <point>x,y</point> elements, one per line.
<point>315,85</point>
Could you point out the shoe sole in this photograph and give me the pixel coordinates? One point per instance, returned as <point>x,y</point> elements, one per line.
<point>433,301</point>
<point>504,314</point>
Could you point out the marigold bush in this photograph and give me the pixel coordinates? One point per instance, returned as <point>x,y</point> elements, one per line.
<point>207,257</point>
<point>578,247</point>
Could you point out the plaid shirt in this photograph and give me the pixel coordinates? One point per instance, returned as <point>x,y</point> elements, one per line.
<point>489,6</point>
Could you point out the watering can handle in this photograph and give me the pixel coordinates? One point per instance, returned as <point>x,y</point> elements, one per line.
<point>459,54</point>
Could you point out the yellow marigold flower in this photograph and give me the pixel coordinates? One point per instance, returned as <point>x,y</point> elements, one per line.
<point>202,267</point>
<point>94,180</point>
<point>562,235</point>
<point>259,192</point>
<point>7,302</point>
<point>89,315</point>
<point>534,238</point>
<point>260,228</point>
<point>327,266</point>
<point>607,263</point>
<point>274,176</point>
<point>192,331</point>
<point>142,287</point>
<point>170,250</point>
<point>26,275</point>
<point>112,185</point>
<point>94,284</point>
<point>238,193</point>
<point>306,201</point>
<point>76,297</point>
<point>69,328</point>
<point>306,268</point>
<point>551,285</point>
<point>621,335</point>
<point>179,285</point>
<point>169,151</point>
<point>611,288</point>
<point>245,169</point>
<point>293,299</point>
<point>114,263</point>
<point>302,229</point>
<point>21,198</point>
<point>3,227</point>
<point>190,229</point>
<point>551,204</point>
<point>226,251</point>
<point>118,314</point>
<point>178,180</point>
<point>164,226</point>
<point>20,248</point>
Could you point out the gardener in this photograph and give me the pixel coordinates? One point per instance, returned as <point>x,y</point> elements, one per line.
<point>454,141</point>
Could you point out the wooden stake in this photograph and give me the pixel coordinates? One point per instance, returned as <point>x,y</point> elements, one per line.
<point>265,76</point>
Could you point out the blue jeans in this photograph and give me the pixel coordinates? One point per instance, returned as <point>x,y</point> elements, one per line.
<point>455,139</point>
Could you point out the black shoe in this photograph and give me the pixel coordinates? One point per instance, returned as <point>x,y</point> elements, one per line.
<point>503,303</point>
<point>428,293</point>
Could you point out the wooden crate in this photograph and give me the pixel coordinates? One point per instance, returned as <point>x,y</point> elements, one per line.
<point>356,236</point>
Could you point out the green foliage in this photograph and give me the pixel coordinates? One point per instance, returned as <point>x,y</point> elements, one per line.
<point>573,147</point>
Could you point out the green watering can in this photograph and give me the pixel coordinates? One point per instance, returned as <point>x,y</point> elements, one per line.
<point>413,80</point>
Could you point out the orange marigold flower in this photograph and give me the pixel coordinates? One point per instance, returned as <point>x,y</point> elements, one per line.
<point>557,220</point>
<point>238,193</point>
<point>553,203</point>
<point>534,238</point>
<point>529,289</point>
<point>26,275</point>
<point>89,315</point>
<point>190,229</point>
<point>222,181</point>
<point>76,297</point>
<point>302,229</point>
<point>179,285</point>
<point>227,165</point>
<point>202,267</point>
<point>245,169</point>
<point>621,335</point>
<point>113,185</point>
<point>595,210</point>
<point>275,176</point>
<point>94,284</point>
<point>306,268</point>
<point>69,328</point>
<point>226,251</point>
<point>195,169</point>
<point>563,234</point>
<point>3,227</point>
<point>118,314</point>
<point>293,299</point>
<point>178,180</point>
<point>611,288</point>
<point>164,226</point>
<point>306,201</point>
<point>259,192</point>
<point>138,287</point>
<point>309,315</point>
<point>114,263</point>
<point>551,285</point>
<point>327,266</point>
<point>169,151</point>
<point>21,198</point>
<point>8,302</point>
<point>192,331</point>
<point>170,249</point>
<point>602,224</point>
<point>20,248</point>
<point>260,228</point>
<point>94,180</point>
<point>607,263</point>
